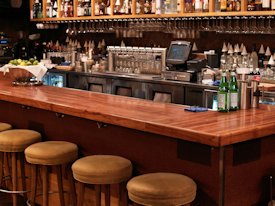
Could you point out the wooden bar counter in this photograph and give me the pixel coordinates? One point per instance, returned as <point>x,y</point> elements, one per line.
<point>229,155</point>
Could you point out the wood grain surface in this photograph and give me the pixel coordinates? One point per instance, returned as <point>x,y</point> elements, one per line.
<point>211,128</point>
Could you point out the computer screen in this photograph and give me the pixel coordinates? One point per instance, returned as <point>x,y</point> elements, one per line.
<point>178,52</point>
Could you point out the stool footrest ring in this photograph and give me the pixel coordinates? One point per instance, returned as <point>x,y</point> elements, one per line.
<point>14,192</point>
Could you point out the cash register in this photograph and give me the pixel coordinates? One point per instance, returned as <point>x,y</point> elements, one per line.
<point>180,65</point>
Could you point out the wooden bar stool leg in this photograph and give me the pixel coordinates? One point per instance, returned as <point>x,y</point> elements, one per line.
<point>1,168</point>
<point>7,170</point>
<point>98,195</point>
<point>33,183</point>
<point>23,175</point>
<point>107,195</point>
<point>81,190</point>
<point>45,183</point>
<point>72,187</point>
<point>123,196</point>
<point>14,177</point>
<point>60,184</point>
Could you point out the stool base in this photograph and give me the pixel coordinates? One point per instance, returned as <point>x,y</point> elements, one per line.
<point>45,184</point>
<point>12,183</point>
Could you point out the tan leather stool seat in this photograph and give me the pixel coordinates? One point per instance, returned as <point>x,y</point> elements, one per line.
<point>102,169</point>
<point>162,189</point>
<point>51,153</point>
<point>16,140</point>
<point>4,126</point>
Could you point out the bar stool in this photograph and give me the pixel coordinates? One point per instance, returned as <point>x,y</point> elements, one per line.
<point>13,143</point>
<point>161,189</point>
<point>102,170</point>
<point>4,126</point>
<point>51,154</point>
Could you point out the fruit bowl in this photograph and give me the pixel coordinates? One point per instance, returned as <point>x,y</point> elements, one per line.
<point>20,75</point>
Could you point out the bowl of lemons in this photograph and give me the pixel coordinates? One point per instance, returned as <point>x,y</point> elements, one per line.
<point>18,69</point>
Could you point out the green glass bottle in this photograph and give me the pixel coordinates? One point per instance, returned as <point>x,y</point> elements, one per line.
<point>233,92</point>
<point>223,94</point>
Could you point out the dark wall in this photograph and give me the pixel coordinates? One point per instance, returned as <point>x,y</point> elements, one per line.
<point>14,19</point>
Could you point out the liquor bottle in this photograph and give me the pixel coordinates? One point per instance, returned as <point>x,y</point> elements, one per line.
<point>66,5</point>
<point>116,9</point>
<point>233,92</point>
<point>188,6</point>
<point>138,7</point>
<point>153,10</point>
<point>122,8</point>
<point>54,9</point>
<point>223,94</point>
<point>251,5</point>
<point>126,6</point>
<point>237,5</point>
<point>223,5</point>
<point>62,8</point>
<point>158,7</point>
<point>198,5</point>
<point>217,5</point>
<point>272,4</point>
<point>39,11</point>
<point>49,9</point>
<point>205,6</point>
<point>147,7</point>
<point>35,9</point>
<point>130,7</point>
<point>87,8</point>
<point>80,8</point>
<point>70,9</point>
<point>266,5</point>
<point>258,5</point>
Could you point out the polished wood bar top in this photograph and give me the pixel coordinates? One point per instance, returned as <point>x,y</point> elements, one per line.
<point>211,128</point>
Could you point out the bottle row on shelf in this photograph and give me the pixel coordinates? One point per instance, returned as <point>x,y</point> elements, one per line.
<point>80,8</point>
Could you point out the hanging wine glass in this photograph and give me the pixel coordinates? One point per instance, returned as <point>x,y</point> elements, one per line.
<point>207,24</point>
<point>229,24</point>
<point>236,28</point>
<point>245,27</point>
<point>268,27</point>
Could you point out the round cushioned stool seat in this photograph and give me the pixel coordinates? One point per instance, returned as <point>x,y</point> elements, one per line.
<point>4,126</point>
<point>102,169</point>
<point>161,189</point>
<point>51,153</point>
<point>16,140</point>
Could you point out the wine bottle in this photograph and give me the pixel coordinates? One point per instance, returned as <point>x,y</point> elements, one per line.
<point>233,92</point>
<point>266,5</point>
<point>223,94</point>
<point>258,5</point>
<point>223,5</point>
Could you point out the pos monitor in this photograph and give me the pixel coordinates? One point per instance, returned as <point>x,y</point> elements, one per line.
<point>178,54</point>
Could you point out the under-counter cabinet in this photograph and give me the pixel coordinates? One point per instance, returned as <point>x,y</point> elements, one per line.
<point>165,93</point>
<point>77,81</point>
<point>128,88</point>
<point>193,96</point>
<point>98,84</point>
